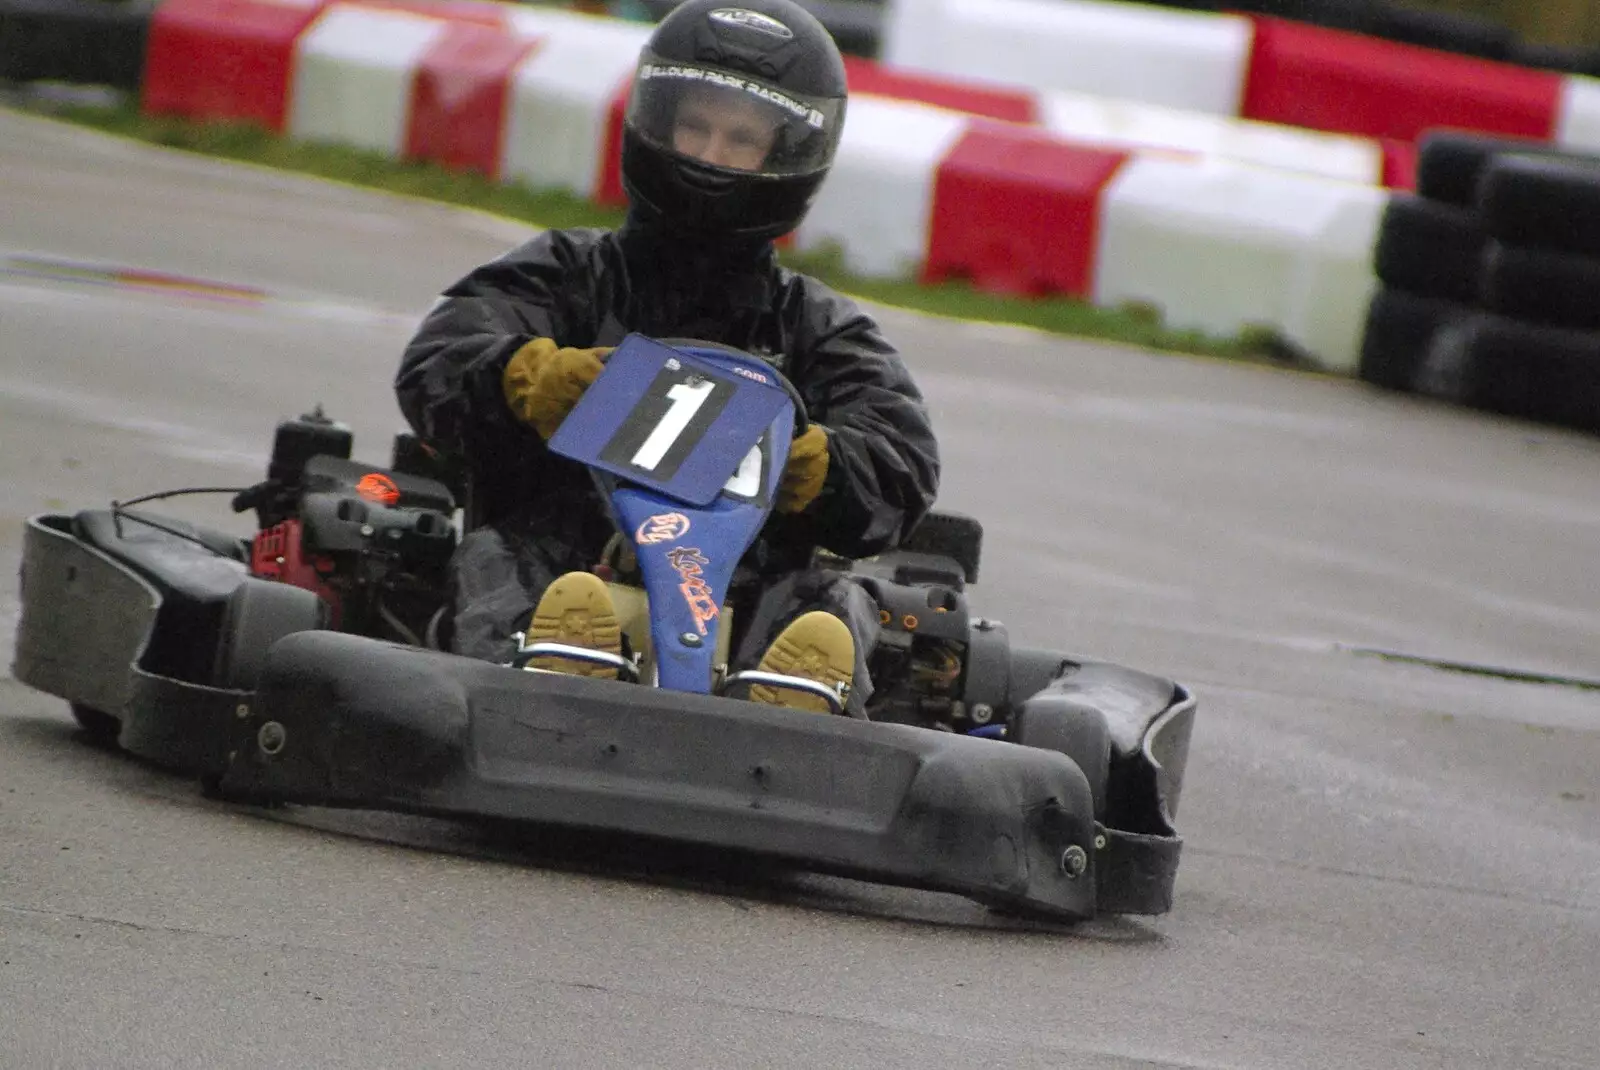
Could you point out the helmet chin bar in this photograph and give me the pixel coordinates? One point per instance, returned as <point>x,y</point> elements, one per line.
<point>713,181</point>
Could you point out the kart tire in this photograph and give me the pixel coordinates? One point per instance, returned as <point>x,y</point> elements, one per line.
<point>1543,202</point>
<point>1540,286</point>
<point>258,614</point>
<point>100,726</point>
<point>1072,728</point>
<point>1429,248</point>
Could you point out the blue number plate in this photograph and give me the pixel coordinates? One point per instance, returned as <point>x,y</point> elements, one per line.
<point>668,421</point>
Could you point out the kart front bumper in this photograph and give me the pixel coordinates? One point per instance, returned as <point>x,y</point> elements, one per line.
<point>350,722</point>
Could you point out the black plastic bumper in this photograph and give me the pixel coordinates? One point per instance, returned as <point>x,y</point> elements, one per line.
<point>345,721</point>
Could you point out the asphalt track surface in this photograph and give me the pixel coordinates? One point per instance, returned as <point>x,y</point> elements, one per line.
<point>1388,865</point>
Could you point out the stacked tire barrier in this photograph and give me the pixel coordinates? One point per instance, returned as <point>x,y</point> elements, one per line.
<point>85,41</point>
<point>1490,282</point>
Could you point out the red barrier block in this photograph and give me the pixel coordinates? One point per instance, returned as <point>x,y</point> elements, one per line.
<point>460,95</point>
<point>1323,79</point>
<point>1399,163</point>
<point>224,59</point>
<point>608,184</point>
<point>995,102</point>
<point>1017,211</point>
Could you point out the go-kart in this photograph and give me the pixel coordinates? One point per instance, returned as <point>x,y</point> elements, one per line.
<point>302,665</point>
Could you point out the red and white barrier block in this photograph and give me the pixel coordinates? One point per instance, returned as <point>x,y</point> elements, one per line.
<point>1251,67</point>
<point>917,189</point>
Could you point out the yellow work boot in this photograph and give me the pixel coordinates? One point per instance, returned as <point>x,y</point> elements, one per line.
<point>816,646</point>
<point>576,610</point>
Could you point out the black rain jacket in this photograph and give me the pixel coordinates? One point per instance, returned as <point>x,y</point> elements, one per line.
<point>590,287</point>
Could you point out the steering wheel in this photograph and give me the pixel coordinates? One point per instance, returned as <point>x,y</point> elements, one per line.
<point>801,420</point>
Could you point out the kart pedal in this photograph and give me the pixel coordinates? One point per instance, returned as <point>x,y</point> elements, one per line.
<point>576,611</point>
<point>816,647</point>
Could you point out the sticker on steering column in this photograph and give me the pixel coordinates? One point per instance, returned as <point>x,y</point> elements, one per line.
<point>663,527</point>
<point>688,561</point>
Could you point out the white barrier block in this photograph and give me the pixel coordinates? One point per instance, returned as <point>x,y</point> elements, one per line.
<point>1181,59</point>
<point>531,21</point>
<point>876,203</point>
<point>1578,114</point>
<point>561,97</point>
<point>353,72</point>
<point>1219,246</point>
<point>1128,124</point>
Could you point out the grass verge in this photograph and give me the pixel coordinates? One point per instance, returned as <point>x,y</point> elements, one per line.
<point>555,208</point>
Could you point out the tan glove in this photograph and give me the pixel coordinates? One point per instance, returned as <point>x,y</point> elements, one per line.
<point>805,471</point>
<point>543,381</point>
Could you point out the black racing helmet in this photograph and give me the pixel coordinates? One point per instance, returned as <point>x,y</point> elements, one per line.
<point>734,118</point>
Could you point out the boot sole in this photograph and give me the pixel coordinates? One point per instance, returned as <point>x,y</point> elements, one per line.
<point>576,610</point>
<point>818,647</point>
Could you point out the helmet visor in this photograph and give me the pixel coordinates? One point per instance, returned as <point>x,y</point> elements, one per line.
<point>733,120</point>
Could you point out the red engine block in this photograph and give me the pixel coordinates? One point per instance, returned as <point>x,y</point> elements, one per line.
<point>278,553</point>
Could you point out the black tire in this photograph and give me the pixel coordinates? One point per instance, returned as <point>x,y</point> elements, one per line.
<point>100,726</point>
<point>1543,202</point>
<point>1564,59</point>
<point>1451,164</point>
<point>1443,372</point>
<point>259,613</point>
<point>1448,31</point>
<point>78,41</point>
<point>1531,372</point>
<point>1430,249</point>
<point>1074,729</point>
<point>1400,329</point>
<point>1541,287</point>
<point>1354,16</point>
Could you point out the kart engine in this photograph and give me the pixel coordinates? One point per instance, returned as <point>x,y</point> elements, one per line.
<point>371,542</point>
<point>936,664</point>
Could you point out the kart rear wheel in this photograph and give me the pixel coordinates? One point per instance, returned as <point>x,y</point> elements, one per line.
<point>259,613</point>
<point>100,726</point>
<point>1076,730</point>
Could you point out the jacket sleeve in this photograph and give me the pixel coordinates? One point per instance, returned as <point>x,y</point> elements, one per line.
<point>448,385</point>
<point>883,460</point>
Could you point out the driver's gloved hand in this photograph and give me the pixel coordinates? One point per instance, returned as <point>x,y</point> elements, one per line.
<point>543,381</point>
<point>807,467</point>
